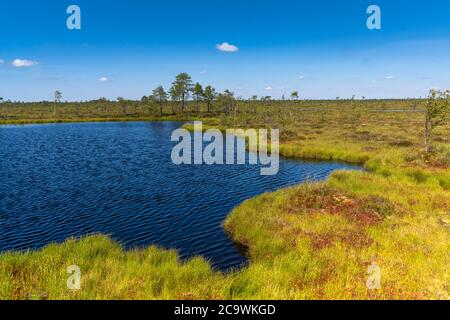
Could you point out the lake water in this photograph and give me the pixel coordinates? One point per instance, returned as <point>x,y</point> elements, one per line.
<point>63,180</point>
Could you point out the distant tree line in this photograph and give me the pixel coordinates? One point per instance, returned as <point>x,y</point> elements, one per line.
<point>436,108</point>
<point>183,89</point>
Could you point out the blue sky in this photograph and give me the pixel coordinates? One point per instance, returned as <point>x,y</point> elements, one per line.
<point>321,48</point>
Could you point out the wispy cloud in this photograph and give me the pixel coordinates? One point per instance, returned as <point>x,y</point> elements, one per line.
<point>389,77</point>
<point>22,63</point>
<point>270,88</point>
<point>103,79</point>
<point>226,47</point>
<point>203,72</point>
<point>2,62</point>
<point>301,77</point>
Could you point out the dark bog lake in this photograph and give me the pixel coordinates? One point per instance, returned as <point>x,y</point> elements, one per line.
<point>63,180</point>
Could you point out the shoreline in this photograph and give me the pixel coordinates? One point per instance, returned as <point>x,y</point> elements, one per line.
<point>93,120</point>
<point>293,237</point>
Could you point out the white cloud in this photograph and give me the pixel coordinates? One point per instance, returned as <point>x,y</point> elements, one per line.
<point>226,47</point>
<point>103,79</point>
<point>374,81</point>
<point>389,77</point>
<point>19,63</point>
<point>301,77</point>
<point>203,72</point>
<point>2,62</point>
<point>270,88</point>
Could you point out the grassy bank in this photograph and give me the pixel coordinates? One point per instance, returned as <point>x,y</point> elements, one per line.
<point>87,119</point>
<point>313,241</point>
